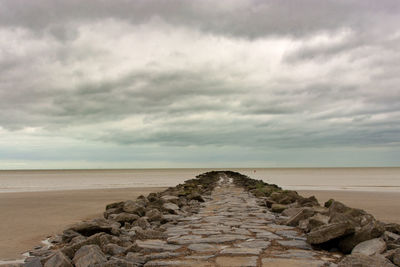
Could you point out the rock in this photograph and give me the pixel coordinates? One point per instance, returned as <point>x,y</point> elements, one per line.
<point>396,257</point>
<point>392,227</point>
<point>133,207</point>
<point>33,262</point>
<point>58,260</point>
<point>195,196</point>
<point>142,201</point>
<point>124,217</point>
<point>278,208</point>
<point>154,215</point>
<point>367,232</point>
<point>68,235</point>
<point>285,197</point>
<point>113,249</point>
<point>317,220</point>
<point>169,198</point>
<point>115,205</point>
<point>116,262</point>
<point>304,213</point>
<point>171,207</point>
<point>91,228</point>
<point>361,260</point>
<point>289,212</point>
<point>391,237</point>
<point>142,223</point>
<point>152,245</point>
<point>328,232</point>
<point>370,247</point>
<point>89,255</point>
<point>307,202</point>
<point>150,234</point>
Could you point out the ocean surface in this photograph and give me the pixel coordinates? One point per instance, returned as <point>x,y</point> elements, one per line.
<point>352,179</point>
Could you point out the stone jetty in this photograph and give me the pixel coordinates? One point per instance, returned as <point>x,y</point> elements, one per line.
<point>224,219</point>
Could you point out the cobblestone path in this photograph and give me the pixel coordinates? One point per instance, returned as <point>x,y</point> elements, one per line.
<point>231,229</point>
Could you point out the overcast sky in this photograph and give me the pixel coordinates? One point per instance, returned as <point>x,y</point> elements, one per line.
<point>152,83</point>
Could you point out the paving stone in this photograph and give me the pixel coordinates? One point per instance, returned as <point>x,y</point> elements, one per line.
<point>260,244</point>
<point>203,247</point>
<point>241,251</point>
<point>295,243</point>
<point>180,263</point>
<point>295,253</point>
<point>223,261</point>
<point>273,262</point>
<point>155,245</point>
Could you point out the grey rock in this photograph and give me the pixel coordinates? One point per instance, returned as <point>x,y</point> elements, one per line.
<point>133,207</point>
<point>171,207</point>
<point>58,260</point>
<point>304,213</point>
<point>114,249</point>
<point>370,247</point>
<point>89,255</point>
<point>294,243</point>
<point>328,232</point>
<point>33,262</point>
<point>124,217</point>
<point>203,247</point>
<point>361,260</point>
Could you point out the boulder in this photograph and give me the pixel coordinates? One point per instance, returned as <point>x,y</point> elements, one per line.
<point>113,249</point>
<point>370,247</point>
<point>278,208</point>
<point>154,215</point>
<point>289,212</point>
<point>392,227</point>
<point>58,260</point>
<point>372,230</point>
<point>304,213</point>
<point>396,257</point>
<point>316,221</point>
<point>142,223</point>
<point>149,234</point>
<point>116,262</point>
<point>133,207</point>
<point>142,201</point>
<point>361,260</point>
<point>307,201</point>
<point>91,227</point>
<point>89,255</point>
<point>329,232</point>
<point>195,196</point>
<point>124,217</point>
<point>285,197</point>
<point>171,208</point>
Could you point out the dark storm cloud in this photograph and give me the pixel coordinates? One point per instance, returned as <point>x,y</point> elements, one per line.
<point>255,74</point>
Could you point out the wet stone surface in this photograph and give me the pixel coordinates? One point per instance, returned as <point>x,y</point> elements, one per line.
<point>231,229</point>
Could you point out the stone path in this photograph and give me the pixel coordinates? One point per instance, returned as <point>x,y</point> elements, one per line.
<point>231,229</point>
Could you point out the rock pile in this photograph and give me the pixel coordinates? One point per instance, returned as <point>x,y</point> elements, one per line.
<point>332,227</point>
<point>224,219</point>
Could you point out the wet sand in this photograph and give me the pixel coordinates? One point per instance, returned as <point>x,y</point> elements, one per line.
<point>383,205</point>
<point>28,218</point>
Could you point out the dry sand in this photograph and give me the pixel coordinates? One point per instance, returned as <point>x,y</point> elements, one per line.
<point>385,206</point>
<point>28,218</point>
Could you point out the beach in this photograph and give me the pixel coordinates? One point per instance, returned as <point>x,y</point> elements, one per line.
<point>29,217</point>
<point>34,206</point>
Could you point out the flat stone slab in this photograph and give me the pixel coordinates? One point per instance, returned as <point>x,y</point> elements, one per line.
<point>295,243</point>
<point>223,261</point>
<point>241,251</point>
<point>203,247</point>
<point>273,262</point>
<point>295,253</point>
<point>180,263</point>
<point>260,244</point>
<point>155,245</point>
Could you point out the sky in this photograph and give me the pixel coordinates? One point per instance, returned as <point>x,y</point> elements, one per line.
<point>166,84</point>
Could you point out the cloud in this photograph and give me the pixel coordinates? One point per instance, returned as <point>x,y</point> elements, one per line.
<point>177,75</point>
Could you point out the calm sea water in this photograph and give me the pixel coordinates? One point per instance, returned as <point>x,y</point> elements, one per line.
<point>359,179</point>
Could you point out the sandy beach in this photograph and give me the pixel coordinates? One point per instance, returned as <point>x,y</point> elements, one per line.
<point>28,218</point>
<point>383,205</point>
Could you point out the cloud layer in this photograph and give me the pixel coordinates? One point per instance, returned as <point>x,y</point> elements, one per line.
<point>146,79</point>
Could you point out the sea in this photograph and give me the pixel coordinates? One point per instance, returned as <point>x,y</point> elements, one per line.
<point>380,179</point>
